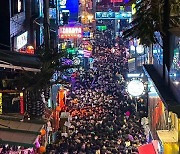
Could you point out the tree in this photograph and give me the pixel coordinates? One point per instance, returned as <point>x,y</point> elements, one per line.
<point>147,20</point>
<point>35,83</point>
<point>154,16</point>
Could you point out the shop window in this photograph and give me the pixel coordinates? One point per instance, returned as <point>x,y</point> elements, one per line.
<point>158,113</point>
<point>157,50</point>
<point>40,2</point>
<point>158,54</point>
<point>175,66</point>
<point>10,103</point>
<point>17,6</point>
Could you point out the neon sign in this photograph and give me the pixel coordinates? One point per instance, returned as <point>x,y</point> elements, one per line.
<point>21,40</point>
<point>70,32</point>
<point>113,15</point>
<point>0,103</point>
<point>21,104</point>
<point>114,1</point>
<point>62,2</point>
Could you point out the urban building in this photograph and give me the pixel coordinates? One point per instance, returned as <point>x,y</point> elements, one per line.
<point>164,87</point>
<point>20,35</point>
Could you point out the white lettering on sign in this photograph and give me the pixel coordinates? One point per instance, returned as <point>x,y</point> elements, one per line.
<point>19,5</point>
<point>21,40</point>
<point>63,2</point>
<point>70,30</point>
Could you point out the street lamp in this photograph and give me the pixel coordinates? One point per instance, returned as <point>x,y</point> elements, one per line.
<point>135,88</point>
<point>135,45</point>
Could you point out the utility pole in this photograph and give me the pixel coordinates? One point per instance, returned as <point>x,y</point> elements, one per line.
<point>46,25</point>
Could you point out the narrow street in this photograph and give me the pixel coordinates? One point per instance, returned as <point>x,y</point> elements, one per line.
<point>104,119</point>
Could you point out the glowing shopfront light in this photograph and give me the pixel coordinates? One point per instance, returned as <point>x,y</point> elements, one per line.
<point>135,88</point>
<point>70,32</point>
<point>0,103</point>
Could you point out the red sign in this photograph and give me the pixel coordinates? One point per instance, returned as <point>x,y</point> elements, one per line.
<point>114,1</point>
<point>21,104</point>
<point>70,32</point>
<point>87,53</point>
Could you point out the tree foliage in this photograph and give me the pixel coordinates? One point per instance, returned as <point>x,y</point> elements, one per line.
<point>147,20</point>
<point>50,62</point>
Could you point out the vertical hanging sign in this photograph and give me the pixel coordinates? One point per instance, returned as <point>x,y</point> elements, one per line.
<point>0,103</point>
<point>21,104</point>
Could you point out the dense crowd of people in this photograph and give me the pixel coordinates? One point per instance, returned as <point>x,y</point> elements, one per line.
<point>105,119</point>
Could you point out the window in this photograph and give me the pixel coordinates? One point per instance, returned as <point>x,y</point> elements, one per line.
<point>175,66</point>
<point>158,54</point>
<point>157,49</point>
<point>17,6</point>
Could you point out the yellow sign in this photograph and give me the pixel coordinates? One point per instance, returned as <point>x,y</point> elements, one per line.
<point>0,103</point>
<point>133,9</point>
<point>63,45</point>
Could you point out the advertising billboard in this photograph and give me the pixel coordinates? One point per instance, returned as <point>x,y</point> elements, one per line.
<point>70,32</point>
<point>21,40</point>
<point>113,15</point>
<point>105,15</point>
<point>52,13</point>
<point>114,1</point>
<point>72,6</point>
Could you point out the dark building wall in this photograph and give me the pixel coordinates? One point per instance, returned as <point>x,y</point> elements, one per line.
<point>17,20</point>
<point>17,24</point>
<point>4,24</point>
<point>13,23</point>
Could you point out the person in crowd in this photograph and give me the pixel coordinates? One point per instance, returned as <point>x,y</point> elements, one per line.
<point>104,117</point>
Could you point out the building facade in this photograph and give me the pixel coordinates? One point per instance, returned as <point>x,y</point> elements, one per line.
<point>163,85</point>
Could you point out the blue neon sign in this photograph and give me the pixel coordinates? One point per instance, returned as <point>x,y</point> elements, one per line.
<point>73,6</point>
<point>113,15</point>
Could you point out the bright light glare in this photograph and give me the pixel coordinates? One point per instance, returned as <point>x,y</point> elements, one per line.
<point>135,88</point>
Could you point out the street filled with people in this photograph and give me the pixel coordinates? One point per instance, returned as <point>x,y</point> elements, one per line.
<point>105,119</point>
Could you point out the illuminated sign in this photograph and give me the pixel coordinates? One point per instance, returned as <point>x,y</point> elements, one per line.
<point>21,40</point>
<point>76,61</point>
<point>41,8</point>
<point>135,75</point>
<point>19,6</point>
<point>63,2</point>
<point>0,103</point>
<point>133,9</point>
<point>114,1</point>
<point>87,53</point>
<point>21,104</point>
<point>105,15</point>
<point>73,7</point>
<point>101,28</point>
<point>52,13</point>
<point>86,34</point>
<point>70,32</point>
<point>122,15</point>
<point>113,15</point>
<point>71,50</point>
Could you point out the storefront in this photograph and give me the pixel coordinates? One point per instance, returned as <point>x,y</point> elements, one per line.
<point>26,136</point>
<point>21,44</point>
<point>11,101</point>
<point>163,114</point>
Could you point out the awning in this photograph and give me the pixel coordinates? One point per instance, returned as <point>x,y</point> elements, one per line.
<point>19,133</point>
<point>175,31</point>
<point>20,61</point>
<point>17,138</point>
<point>163,90</point>
<point>146,149</point>
<point>20,126</point>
